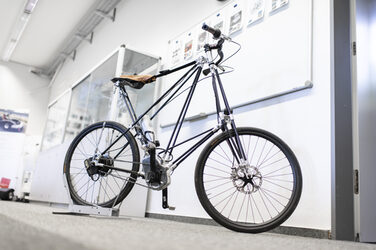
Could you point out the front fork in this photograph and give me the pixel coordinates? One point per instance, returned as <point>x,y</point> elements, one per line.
<point>226,118</point>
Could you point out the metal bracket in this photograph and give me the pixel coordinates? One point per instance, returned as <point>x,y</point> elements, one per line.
<point>356,181</point>
<point>85,38</point>
<point>71,56</point>
<point>75,209</point>
<point>105,15</point>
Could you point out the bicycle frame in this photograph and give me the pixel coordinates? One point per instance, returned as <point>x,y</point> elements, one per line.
<point>224,118</point>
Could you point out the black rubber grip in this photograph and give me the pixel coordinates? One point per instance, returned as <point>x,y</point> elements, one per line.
<point>216,32</point>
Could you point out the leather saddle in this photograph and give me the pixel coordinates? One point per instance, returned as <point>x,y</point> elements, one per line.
<point>134,81</point>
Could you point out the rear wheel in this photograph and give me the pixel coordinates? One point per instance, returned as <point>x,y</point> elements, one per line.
<point>96,184</point>
<point>252,196</point>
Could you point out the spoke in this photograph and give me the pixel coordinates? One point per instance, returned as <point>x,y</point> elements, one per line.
<point>233,204</point>
<point>276,170</point>
<point>86,155</point>
<point>82,170</point>
<point>83,149</point>
<point>267,209</point>
<point>117,184</point>
<point>112,189</point>
<point>269,191</point>
<point>92,193</point>
<point>225,153</point>
<point>249,146</point>
<point>218,169</point>
<point>78,182</point>
<point>278,185</point>
<point>225,158</point>
<point>87,189</point>
<point>262,151</point>
<point>269,201</point>
<point>221,193</point>
<point>254,150</point>
<point>219,162</point>
<point>219,179</point>
<point>105,192</point>
<point>254,202</point>
<point>220,185</point>
<point>269,158</point>
<point>228,201</point>
<point>116,149</point>
<point>277,175</point>
<point>263,190</point>
<point>250,202</point>
<point>273,179</point>
<point>241,208</point>
<point>271,163</point>
<point>122,153</point>
<point>82,185</point>
<point>224,177</point>
<point>92,135</point>
<point>87,138</point>
<point>262,162</point>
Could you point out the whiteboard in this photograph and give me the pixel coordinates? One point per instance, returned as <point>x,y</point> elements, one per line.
<point>275,56</point>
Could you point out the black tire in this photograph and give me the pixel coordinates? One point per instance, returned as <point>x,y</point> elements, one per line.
<point>271,192</point>
<point>7,125</point>
<point>10,195</point>
<point>114,185</point>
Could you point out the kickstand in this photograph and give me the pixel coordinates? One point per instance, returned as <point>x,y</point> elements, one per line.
<point>165,200</point>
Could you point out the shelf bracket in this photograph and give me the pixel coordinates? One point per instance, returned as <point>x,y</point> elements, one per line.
<point>105,15</point>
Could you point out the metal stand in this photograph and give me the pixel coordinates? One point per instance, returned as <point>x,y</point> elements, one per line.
<point>75,209</point>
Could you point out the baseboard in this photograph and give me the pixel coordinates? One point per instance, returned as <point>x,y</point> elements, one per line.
<point>297,231</point>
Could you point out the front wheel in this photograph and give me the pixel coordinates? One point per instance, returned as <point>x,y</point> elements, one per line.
<point>254,195</point>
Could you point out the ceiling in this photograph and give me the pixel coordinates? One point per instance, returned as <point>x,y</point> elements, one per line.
<point>50,25</point>
<point>9,12</point>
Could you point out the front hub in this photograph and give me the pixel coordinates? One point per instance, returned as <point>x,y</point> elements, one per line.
<point>246,179</point>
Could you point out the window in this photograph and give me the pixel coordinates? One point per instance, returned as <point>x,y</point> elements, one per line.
<point>57,113</point>
<point>91,99</point>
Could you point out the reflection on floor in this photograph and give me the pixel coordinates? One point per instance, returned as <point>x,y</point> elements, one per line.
<point>33,226</point>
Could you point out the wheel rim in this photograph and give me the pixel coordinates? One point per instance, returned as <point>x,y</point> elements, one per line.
<point>254,193</point>
<point>102,188</point>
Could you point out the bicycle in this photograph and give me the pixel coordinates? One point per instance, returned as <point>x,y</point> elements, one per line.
<point>246,179</point>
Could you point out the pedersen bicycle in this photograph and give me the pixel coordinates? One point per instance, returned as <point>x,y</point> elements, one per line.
<point>246,179</point>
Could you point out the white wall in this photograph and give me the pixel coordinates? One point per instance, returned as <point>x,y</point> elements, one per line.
<point>302,120</point>
<point>20,89</point>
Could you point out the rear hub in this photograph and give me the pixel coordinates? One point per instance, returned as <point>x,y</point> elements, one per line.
<point>102,168</point>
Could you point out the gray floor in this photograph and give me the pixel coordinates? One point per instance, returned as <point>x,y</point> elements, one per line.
<point>33,226</point>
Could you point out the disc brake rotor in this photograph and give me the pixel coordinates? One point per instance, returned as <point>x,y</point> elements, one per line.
<point>246,179</point>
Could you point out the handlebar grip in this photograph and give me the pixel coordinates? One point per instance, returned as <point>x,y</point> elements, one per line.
<point>216,32</point>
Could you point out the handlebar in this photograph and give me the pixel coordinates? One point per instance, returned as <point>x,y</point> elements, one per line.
<point>215,32</point>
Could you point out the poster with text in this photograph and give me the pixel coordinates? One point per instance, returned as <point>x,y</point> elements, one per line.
<point>277,4</point>
<point>202,38</point>
<point>256,10</point>
<point>235,17</point>
<point>176,52</point>
<point>13,120</point>
<point>188,47</point>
